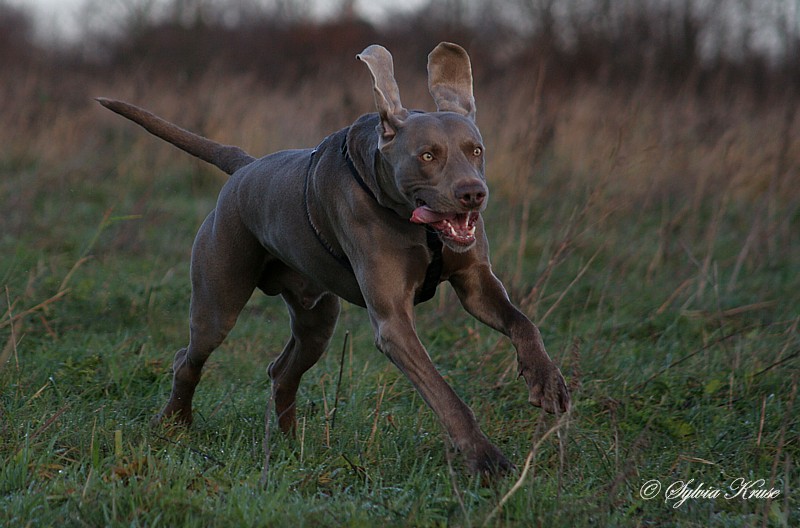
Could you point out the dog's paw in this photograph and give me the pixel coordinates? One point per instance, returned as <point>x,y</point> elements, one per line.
<point>488,462</point>
<point>547,388</point>
<point>175,419</point>
<point>173,414</point>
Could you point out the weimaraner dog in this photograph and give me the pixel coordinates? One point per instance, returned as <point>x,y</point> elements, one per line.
<point>377,214</point>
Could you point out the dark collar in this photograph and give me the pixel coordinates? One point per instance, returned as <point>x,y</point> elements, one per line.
<point>433,275</point>
<point>341,259</point>
<point>354,172</point>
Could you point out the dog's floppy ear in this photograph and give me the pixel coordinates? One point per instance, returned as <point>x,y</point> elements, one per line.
<point>387,95</point>
<point>450,79</point>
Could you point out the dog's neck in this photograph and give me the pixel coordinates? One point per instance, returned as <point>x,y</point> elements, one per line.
<point>433,273</point>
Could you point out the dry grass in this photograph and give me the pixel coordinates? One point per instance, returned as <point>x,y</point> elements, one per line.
<point>597,156</point>
<point>653,232</point>
<point>640,143</point>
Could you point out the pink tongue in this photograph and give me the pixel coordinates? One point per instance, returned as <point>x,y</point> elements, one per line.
<point>426,215</point>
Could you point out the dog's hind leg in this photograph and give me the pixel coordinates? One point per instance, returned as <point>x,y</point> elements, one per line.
<point>313,319</point>
<point>226,264</point>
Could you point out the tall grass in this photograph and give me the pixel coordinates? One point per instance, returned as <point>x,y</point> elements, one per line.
<point>652,234</point>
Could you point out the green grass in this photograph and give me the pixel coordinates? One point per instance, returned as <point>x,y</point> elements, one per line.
<point>678,374</point>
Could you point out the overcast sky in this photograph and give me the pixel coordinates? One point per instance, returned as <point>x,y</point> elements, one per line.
<point>49,13</point>
<point>58,18</point>
<point>759,20</point>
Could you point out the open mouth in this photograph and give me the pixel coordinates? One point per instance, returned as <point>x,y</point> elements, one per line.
<point>456,227</point>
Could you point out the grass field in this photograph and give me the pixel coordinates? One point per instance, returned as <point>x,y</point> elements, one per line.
<point>654,239</point>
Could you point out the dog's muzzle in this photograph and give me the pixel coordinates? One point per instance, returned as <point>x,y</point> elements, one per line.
<point>458,228</point>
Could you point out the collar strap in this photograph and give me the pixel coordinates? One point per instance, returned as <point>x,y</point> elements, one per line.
<point>341,259</point>
<point>354,172</point>
<point>433,275</point>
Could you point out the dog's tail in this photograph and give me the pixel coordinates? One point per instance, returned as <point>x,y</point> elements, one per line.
<point>228,158</point>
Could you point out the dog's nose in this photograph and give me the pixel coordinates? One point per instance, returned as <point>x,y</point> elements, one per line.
<point>471,195</point>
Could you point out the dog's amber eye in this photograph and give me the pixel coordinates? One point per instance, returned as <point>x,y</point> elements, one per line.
<point>427,156</point>
<point>477,152</point>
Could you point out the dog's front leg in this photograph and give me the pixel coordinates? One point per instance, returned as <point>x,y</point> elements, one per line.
<point>483,295</point>
<point>395,337</point>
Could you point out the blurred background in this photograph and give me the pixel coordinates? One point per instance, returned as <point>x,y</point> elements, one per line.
<point>643,160</point>
<point>670,112</point>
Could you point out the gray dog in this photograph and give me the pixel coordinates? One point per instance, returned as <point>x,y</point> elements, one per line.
<point>378,214</point>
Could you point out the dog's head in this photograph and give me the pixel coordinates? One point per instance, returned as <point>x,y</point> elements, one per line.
<point>435,159</point>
